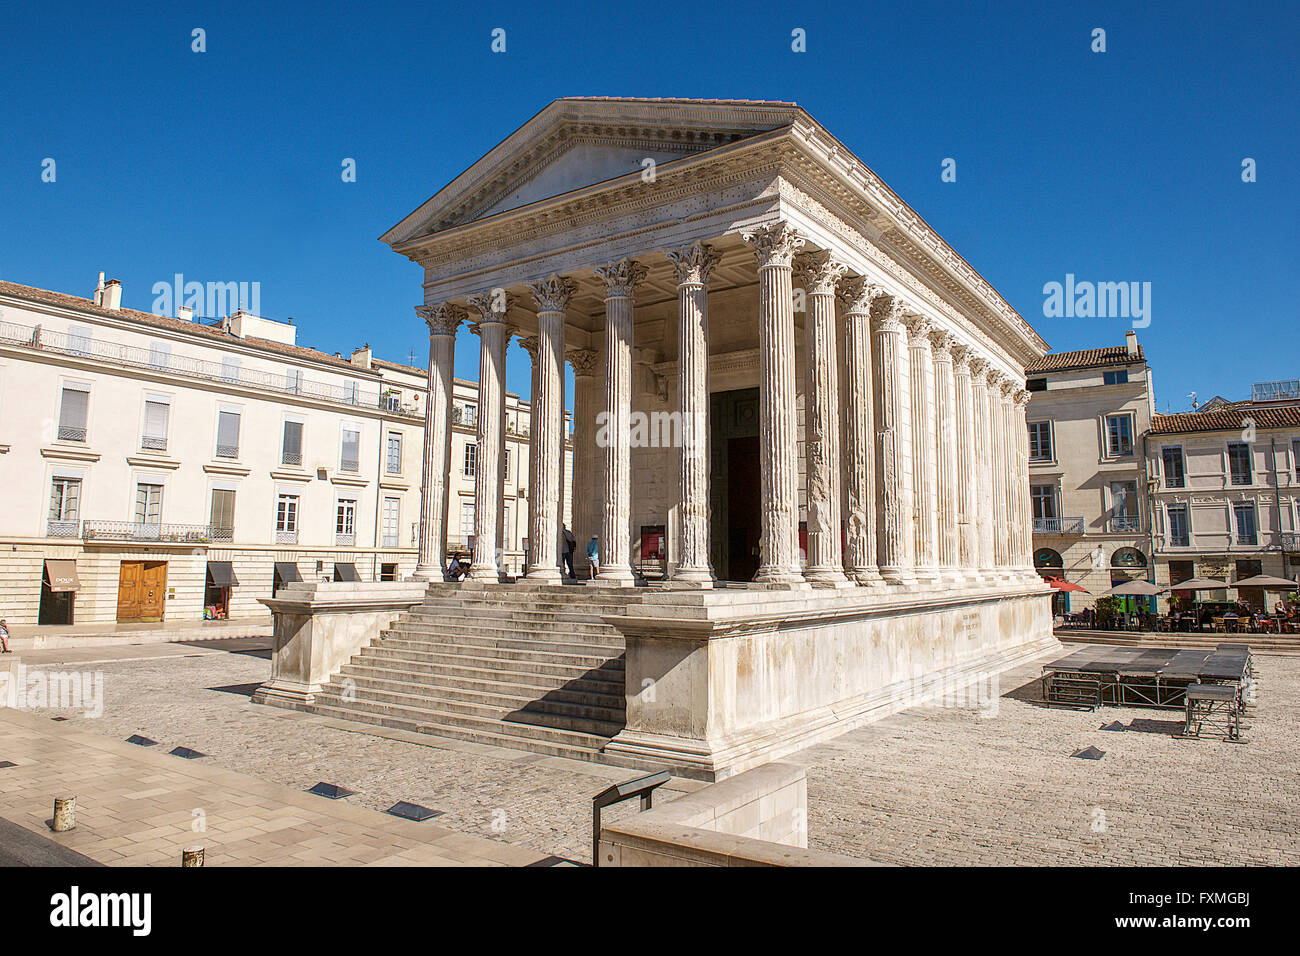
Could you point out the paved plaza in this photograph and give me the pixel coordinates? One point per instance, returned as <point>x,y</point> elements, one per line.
<point>928,786</point>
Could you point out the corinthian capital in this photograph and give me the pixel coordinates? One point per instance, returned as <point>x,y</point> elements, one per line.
<point>621,278</point>
<point>1021,397</point>
<point>553,293</point>
<point>857,294</point>
<point>887,313</point>
<point>918,329</point>
<point>942,342</point>
<point>818,272</point>
<point>961,358</point>
<point>979,368</point>
<point>774,244</point>
<point>693,263</point>
<point>492,305</point>
<point>583,361</point>
<point>443,318</point>
<point>529,344</point>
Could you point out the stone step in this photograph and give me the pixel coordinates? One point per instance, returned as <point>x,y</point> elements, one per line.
<point>553,713</point>
<point>475,678</point>
<point>478,636</point>
<point>609,670</point>
<point>488,651</point>
<point>416,717</point>
<point>503,695</point>
<point>580,604</point>
<point>523,621</point>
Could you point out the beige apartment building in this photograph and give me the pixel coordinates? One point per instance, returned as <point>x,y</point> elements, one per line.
<point>159,468</point>
<point>1226,491</point>
<point>1088,412</point>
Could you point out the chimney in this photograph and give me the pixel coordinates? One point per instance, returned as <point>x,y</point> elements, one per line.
<point>1131,342</point>
<point>361,357</point>
<point>99,290</point>
<point>112,296</point>
<point>185,313</point>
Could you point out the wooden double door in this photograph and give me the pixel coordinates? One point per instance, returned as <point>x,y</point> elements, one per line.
<point>141,589</point>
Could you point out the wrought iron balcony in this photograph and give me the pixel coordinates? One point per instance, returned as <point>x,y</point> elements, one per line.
<point>1058,526</point>
<point>286,537</point>
<point>345,540</point>
<point>153,444</point>
<point>1290,541</point>
<point>1123,523</point>
<point>146,531</point>
<point>68,433</point>
<point>62,529</point>
<point>291,458</point>
<point>227,451</point>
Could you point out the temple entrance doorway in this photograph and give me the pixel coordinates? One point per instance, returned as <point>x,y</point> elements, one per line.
<point>735,484</point>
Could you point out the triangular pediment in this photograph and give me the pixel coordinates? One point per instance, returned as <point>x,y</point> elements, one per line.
<point>577,143</point>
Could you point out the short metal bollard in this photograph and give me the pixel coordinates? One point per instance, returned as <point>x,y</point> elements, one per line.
<point>192,856</point>
<point>65,814</point>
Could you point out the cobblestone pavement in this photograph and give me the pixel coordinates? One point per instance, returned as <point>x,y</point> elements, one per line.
<point>197,696</point>
<point>929,786</point>
<point>946,786</point>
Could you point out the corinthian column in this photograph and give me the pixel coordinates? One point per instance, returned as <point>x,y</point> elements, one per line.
<point>983,471</point>
<point>924,471</point>
<point>775,246</point>
<point>614,435</point>
<point>967,490</point>
<point>547,441</point>
<point>999,391</point>
<point>820,274</point>
<point>1023,528</point>
<point>585,488</point>
<point>945,399</point>
<point>859,433</point>
<point>442,320</point>
<point>693,264</point>
<point>491,330</point>
<point>892,407</point>
<point>529,345</point>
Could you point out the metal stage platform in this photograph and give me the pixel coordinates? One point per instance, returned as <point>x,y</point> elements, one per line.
<point>1145,677</point>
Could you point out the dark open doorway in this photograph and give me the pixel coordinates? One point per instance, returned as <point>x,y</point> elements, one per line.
<point>735,489</point>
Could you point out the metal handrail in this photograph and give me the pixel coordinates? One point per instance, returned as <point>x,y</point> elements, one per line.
<point>642,787</point>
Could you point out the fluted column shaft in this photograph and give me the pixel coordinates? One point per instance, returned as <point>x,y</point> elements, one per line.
<point>925,473</point>
<point>529,345</point>
<point>983,475</point>
<point>820,274</point>
<point>1001,472</point>
<point>775,246</point>
<point>442,320</point>
<point>1023,533</point>
<point>892,408</point>
<point>967,493</point>
<point>859,433</point>
<point>585,487</point>
<point>946,451</point>
<point>489,461</point>
<point>693,264</point>
<point>615,434</point>
<point>547,444</point>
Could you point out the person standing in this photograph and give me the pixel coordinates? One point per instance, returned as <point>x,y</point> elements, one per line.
<point>4,637</point>
<point>593,556</point>
<point>570,545</point>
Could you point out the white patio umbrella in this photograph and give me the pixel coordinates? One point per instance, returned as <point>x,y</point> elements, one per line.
<point>1268,582</point>
<point>1200,584</point>
<point>1135,589</point>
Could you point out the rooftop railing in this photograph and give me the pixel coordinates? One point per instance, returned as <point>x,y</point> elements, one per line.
<point>79,346</point>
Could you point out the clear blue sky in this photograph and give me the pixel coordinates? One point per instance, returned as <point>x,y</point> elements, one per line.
<point>225,165</point>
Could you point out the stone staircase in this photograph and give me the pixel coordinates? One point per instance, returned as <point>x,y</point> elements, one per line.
<point>1283,644</point>
<point>527,667</point>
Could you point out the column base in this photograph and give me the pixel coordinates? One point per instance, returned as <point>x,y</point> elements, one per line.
<point>866,577</point>
<point>898,577</point>
<point>827,578</point>
<point>619,576</point>
<point>545,575</point>
<point>426,572</point>
<point>775,575</point>
<point>483,575</point>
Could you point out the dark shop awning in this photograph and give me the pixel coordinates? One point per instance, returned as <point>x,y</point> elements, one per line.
<point>61,574</point>
<point>345,571</point>
<point>286,572</point>
<point>221,574</point>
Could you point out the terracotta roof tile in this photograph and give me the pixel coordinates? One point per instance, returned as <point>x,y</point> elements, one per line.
<point>1228,419</point>
<point>197,329</point>
<point>1086,358</point>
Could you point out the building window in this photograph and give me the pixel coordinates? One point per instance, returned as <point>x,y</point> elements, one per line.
<point>505,475</point>
<point>471,459</point>
<point>155,425</point>
<point>1295,457</point>
<point>391,522</point>
<point>345,522</point>
<point>79,340</point>
<point>1119,435</point>
<point>1036,385</point>
<point>350,453</point>
<point>1244,515</point>
<point>1179,529</point>
<point>1172,455</point>
<point>393,457</point>
<point>65,503</point>
<point>470,418</point>
<point>1124,506</point>
<point>160,354</point>
<point>1115,378</point>
<point>292,447</point>
<point>230,368</point>
<point>1239,463</point>
<point>227,434</point>
<point>505,523</point>
<point>223,514</point>
<point>1040,441</point>
<point>286,519</point>
<point>392,401</point>
<point>148,503</point>
<point>73,411</point>
<point>1044,500</point>
<point>467,518</point>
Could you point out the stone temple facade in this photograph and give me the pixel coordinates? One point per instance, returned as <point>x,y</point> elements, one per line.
<point>782,373</point>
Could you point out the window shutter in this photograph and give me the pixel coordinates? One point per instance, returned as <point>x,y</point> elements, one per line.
<point>228,431</point>
<point>72,414</point>
<point>155,419</point>
<point>293,438</point>
<point>351,450</point>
